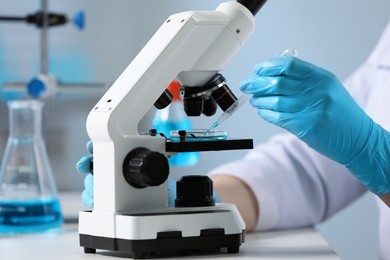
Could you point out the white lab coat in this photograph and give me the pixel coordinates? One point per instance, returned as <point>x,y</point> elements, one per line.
<point>295,185</point>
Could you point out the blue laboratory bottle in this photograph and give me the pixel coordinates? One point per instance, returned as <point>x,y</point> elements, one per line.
<point>28,195</point>
<point>173,117</point>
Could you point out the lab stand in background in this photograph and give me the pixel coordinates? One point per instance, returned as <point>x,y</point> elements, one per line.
<point>67,100</point>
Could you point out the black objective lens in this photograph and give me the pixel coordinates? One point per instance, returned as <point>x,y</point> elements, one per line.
<point>193,106</point>
<point>209,106</point>
<point>164,100</point>
<point>224,97</point>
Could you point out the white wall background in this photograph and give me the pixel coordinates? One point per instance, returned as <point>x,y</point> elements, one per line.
<point>334,34</point>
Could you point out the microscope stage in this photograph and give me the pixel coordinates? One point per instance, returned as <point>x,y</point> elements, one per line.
<point>215,145</point>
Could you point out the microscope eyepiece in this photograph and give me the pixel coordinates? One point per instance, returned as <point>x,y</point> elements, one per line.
<point>252,5</point>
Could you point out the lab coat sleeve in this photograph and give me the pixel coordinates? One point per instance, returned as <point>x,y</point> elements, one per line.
<point>294,185</point>
<point>364,81</point>
<point>359,84</point>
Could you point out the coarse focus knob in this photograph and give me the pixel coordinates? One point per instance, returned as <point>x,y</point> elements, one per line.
<point>194,191</point>
<point>143,168</point>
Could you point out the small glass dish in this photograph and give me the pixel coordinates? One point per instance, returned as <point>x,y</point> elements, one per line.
<point>196,135</point>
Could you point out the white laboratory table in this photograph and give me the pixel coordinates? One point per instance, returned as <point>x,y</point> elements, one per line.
<point>63,244</point>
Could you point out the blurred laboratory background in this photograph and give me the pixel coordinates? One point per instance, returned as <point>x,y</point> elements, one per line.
<point>337,35</point>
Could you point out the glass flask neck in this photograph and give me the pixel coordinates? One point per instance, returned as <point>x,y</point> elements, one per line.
<point>25,118</point>
<point>25,171</point>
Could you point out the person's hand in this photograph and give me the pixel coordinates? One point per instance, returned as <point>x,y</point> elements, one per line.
<point>83,166</point>
<point>311,103</point>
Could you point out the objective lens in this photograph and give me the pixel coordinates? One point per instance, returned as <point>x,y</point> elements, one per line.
<point>193,106</point>
<point>224,97</point>
<point>209,106</point>
<point>164,100</point>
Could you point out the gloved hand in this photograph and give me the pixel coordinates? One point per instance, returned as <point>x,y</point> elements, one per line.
<point>311,103</point>
<point>83,166</point>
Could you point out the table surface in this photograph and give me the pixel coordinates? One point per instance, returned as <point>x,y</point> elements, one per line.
<point>64,244</point>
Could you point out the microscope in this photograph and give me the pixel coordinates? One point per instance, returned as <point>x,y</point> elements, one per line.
<point>131,212</point>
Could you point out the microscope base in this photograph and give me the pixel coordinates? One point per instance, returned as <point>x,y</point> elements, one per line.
<point>170,232</point>
<point>173,246</point>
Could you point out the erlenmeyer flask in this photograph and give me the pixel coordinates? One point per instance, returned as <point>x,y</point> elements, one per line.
<point>28,195</point>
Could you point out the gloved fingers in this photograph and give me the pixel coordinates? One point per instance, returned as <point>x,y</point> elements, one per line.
<point>280,103</point>
<point>87,196</point>
<point>84,164</point>
<point>270,116</point>
<point>284,120</point>
<point>89,147</point>
<point>284,66</point>
<point>88,184</point>
<point>299,124</point>
<point>280,85</point>
<point>87,199</point>
<point>256,84</point>
<point>274,66</point>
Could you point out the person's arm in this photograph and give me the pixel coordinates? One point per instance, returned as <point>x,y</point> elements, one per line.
<point>233,190</point>
<point>386,199</point>
<point>290,185</point>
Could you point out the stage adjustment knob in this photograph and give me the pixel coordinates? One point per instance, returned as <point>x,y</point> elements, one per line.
<point>143,168</point>
<point>194,191</point>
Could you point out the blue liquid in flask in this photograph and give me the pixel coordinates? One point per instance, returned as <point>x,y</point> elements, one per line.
<point>28,195</point>
<point>29,216</point>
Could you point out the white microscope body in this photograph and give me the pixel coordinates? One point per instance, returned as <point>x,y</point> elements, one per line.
<point>189,46</point>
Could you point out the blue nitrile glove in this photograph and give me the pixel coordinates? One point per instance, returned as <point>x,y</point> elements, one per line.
<point>83,166</point>
<point>311,103</point>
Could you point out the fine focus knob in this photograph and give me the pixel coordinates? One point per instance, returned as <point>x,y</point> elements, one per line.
<point>194,191</point>
<point>143,168</point>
